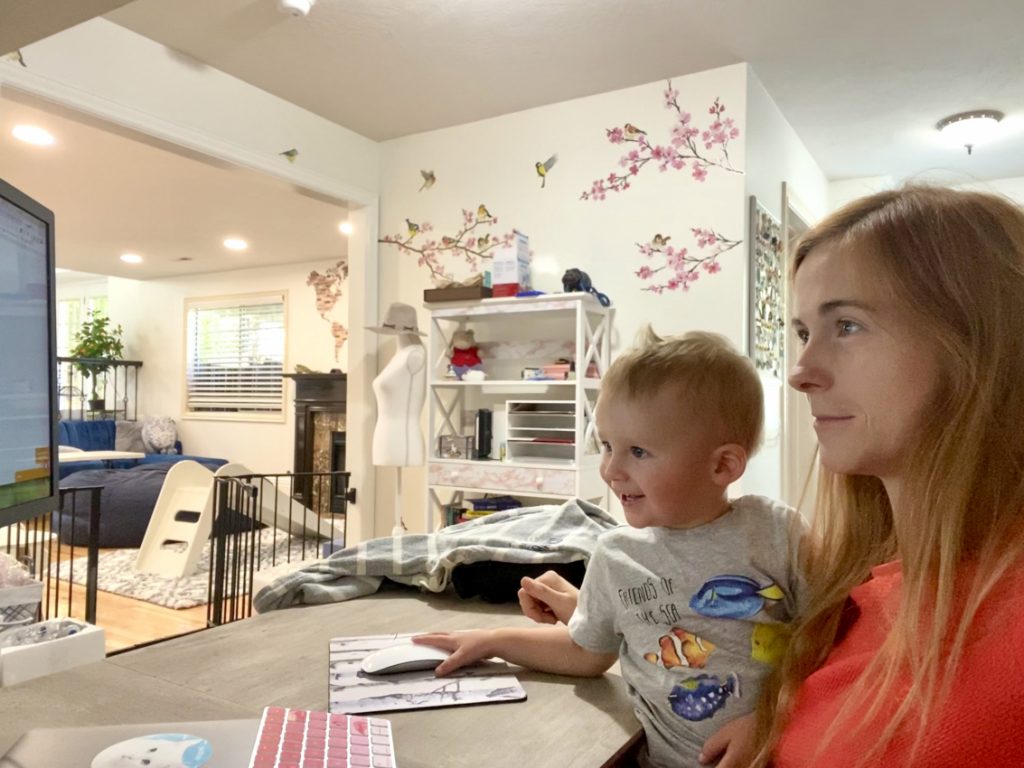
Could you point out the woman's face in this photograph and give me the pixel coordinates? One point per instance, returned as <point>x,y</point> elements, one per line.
<point>869,374</point>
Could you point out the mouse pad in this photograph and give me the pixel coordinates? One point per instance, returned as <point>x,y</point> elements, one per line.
<point>350,690</point>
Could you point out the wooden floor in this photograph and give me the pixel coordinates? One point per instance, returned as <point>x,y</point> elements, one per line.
<point>127,622</point>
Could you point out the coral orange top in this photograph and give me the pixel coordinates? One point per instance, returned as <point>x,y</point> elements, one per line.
<point>981,725</point>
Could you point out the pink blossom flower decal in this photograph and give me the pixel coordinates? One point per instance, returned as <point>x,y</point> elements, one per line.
<point>701,148</point>
<point>471,249</point>
<point>681,268</point>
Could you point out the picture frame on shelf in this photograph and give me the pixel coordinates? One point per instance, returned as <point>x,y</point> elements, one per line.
<point>455,446</point>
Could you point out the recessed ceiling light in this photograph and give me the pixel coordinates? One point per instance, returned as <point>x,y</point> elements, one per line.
<point>235,244</point>
<point>33,134</point>
<point>131,258</point>
<point>345,227</point>
<point>968,129</point>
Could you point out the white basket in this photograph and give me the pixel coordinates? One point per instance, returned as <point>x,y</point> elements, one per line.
<point>19,605</point>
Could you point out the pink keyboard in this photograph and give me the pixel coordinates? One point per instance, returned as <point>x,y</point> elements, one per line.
<point>298,738</point>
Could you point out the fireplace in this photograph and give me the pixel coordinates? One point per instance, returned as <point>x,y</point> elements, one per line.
<point>320,439</point>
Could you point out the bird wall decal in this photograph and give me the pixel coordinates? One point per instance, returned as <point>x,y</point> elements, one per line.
<point>543,168</point>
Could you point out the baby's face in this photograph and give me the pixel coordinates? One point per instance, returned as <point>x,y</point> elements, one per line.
<point>656,457</point>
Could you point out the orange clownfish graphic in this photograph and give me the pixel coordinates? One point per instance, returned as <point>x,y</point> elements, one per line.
<point>680,648</point>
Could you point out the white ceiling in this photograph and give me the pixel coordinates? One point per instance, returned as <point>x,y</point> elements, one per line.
<point>863,83</point>
<point>114,192</point>
<point>24,23</point>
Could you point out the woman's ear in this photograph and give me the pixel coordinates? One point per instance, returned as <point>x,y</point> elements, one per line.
<point>728,462</point>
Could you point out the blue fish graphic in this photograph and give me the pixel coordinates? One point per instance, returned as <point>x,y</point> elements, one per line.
<point>733,597</point>
<point>701,697</point>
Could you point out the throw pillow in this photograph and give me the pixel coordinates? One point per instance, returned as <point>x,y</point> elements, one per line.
<point>128,437</point>
<point>159,434</point>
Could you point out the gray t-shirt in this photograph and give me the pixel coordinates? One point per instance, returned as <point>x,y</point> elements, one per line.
<point>697,617</point>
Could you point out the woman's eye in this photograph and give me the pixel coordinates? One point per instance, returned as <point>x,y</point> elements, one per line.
<point>606,448</point>
<point>846,327</point>
<point>637,453</point>
<point>802,335</point>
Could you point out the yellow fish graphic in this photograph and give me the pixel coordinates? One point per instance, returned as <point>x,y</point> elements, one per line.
<point>768,642</point>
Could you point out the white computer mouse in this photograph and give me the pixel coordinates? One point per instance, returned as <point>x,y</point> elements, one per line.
<point>405,657</point>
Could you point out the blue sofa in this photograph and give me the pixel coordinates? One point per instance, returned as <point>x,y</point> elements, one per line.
<point>100,435</point>
<point>130,488</point>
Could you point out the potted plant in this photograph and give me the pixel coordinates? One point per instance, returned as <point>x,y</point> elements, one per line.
<point>97,340</point>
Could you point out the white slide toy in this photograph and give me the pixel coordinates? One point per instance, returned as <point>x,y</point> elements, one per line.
<point>183,517</point>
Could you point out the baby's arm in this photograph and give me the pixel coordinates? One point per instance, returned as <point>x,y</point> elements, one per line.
<point>736,742</point>
<point>545,649</point>
<point>548,599</point>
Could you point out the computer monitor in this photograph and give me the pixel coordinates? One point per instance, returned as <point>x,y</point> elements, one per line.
<point>28,359</point>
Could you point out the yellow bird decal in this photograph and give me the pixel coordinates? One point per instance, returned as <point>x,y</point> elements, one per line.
<point>543,168</point>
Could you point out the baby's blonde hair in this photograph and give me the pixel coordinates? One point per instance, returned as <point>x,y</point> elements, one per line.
<point>703,368</point>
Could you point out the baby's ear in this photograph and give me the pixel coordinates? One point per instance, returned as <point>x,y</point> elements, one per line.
<point>728,463</point>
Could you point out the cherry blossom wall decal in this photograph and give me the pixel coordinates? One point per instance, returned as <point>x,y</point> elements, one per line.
<point>688,147</point>
<point>681,267</point>
<point>468,244</point>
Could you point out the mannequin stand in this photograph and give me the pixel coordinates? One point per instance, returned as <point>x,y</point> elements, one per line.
<point>399,528</point>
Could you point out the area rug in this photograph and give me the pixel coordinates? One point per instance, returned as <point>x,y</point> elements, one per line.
<point>117,571</point>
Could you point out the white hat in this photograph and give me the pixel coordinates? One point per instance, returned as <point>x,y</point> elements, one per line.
<point>400,318</point>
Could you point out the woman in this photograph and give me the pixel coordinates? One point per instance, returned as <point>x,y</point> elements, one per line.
<point>909,309</point>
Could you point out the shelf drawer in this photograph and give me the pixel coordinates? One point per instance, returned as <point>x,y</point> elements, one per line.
<point>502,477</point>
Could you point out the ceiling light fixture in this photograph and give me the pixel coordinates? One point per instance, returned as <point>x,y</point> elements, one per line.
<point>131,258</point>
<point>345,227</point>
<point>295,7</point>
<point>33,134</point>
<point>968,129</point>
<point>235,244</point>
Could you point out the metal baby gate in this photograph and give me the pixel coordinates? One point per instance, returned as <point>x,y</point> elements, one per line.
<point>263,522</point>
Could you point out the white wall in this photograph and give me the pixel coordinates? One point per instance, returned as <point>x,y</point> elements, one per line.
<point>492,162</point>
<point>152,313</point>
<point>775,155</point>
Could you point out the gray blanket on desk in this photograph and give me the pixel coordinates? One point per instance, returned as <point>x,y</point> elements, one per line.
<point>546,534</point>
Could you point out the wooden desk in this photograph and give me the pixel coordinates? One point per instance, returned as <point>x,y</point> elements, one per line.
<point>281,658</point>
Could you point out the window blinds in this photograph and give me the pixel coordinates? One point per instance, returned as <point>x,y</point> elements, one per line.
<point>235,355</point>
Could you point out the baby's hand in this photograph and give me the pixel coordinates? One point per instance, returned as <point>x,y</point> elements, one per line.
<point>466,648</point>
<point>735,741</point>
<point>548,599</point>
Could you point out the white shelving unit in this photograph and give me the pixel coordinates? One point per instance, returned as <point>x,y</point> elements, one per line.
<point>551,450</point>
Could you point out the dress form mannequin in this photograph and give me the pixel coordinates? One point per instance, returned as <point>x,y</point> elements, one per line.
<point>400,391</point>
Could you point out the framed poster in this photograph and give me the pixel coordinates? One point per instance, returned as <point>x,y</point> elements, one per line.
<point>767,292</point>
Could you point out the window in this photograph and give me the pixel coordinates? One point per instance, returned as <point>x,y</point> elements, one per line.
<point>70,314</point>
<point>235,355</point>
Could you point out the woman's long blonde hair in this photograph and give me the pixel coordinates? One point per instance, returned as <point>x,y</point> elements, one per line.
<point>955,260</point>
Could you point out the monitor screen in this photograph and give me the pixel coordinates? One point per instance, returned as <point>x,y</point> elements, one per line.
<point>28,485</point>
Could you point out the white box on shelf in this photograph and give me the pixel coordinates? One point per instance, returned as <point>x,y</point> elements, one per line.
<point>510,267</point>
<point>25,662</point>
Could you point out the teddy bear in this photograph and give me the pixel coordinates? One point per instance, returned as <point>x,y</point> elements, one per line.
<point>465,358</point>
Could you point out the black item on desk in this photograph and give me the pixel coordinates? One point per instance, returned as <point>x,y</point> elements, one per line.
<point>578,280</point>
<point>482,440</point>
<point>497,582</point>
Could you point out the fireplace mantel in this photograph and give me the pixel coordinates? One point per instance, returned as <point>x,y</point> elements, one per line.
<point>318,396</point>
